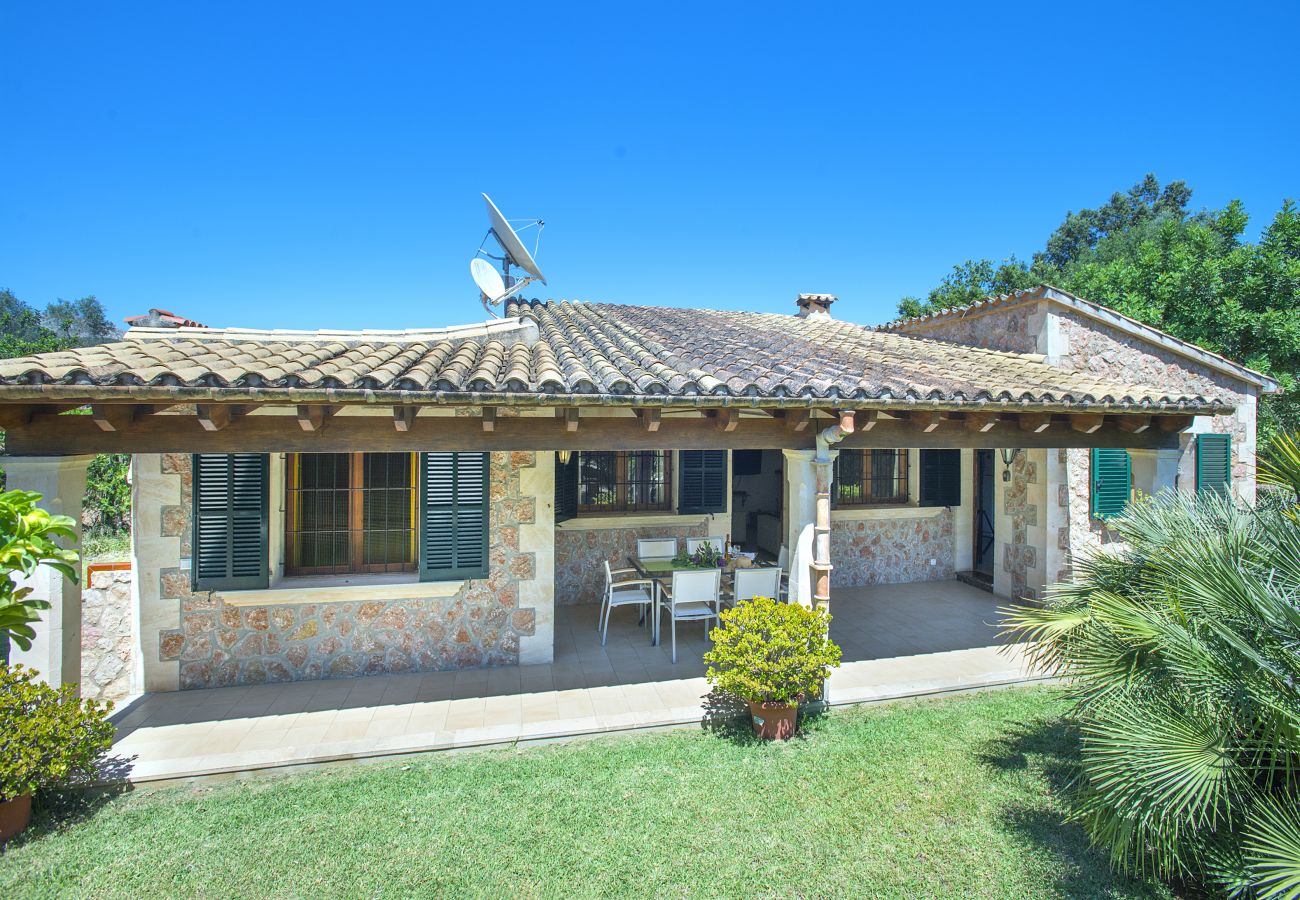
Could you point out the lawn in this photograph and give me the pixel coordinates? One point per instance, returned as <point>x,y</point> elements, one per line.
<point>942,798</point>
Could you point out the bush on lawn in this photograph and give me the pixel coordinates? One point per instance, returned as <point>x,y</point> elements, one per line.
<point>770,652</point>
<point>1183,649</point>
<point>48,737</point>
<point>27,541</point>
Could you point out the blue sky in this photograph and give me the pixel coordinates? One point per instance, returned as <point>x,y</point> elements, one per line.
<point>319,165</point>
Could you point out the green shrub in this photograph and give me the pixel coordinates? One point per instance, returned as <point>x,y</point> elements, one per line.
<point>48,737</point>
<point>770,652</point>
<point>1183,649</point>
<point>108,494</point>
<point>27,535</point>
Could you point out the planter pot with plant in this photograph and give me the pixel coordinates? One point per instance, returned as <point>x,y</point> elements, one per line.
<point>772,655</point>
<point>48,738</point>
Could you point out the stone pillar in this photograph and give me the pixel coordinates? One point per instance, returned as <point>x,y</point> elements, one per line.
<point>537,482</point>
<point>801,520</point>
<point>61,482</point>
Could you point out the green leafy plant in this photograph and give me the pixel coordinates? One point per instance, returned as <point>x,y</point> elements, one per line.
<point>28,535</point>
<point>1181,649</point>
<point>48,737</point>
<point>706,557</point>
<point>1279,467</point>
<point>770,652</point>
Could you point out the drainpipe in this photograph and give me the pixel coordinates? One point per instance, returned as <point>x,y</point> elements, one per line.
<point>823,469</point>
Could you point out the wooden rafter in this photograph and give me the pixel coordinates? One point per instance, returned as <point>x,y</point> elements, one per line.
<point>1087,423</point>
<point>216,416</point>
<point>489,418</point>
<point>1133,424</point>
<point>312,417</point>
<point>650,418</point>
<point>796,420</point>
<point>1174,423</point>
<point>925,421</point>
<point>403,416</point>
<point>980,422</point>
<point>725,419</point>
<point>1036,423</point>
<point>571,416</point>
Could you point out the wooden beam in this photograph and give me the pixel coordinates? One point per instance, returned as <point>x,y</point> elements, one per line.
<point>725,419</point>
<point>1035,423</point>
<point>866,419</point>
<point>62,435</point>
<point>796,420</point>
<point>1087,423</point>
<point>216,416</point>
<point>489,418</point>
<point>403,416</point>
<point>312,417</point>
<point>650,418</point>
<point>113,416</point>
<point>1174,423</point>
<point>1133,424</point>
<point>925,421</point>
<point>980,422</point>
<point>24,414</point>
<point>571,416</point>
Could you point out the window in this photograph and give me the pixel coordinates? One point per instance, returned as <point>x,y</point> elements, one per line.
<point>625,481</point>
<point>347,513</point>
<point>865,477</point>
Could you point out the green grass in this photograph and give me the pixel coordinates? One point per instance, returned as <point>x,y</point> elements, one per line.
<point>947,798</point>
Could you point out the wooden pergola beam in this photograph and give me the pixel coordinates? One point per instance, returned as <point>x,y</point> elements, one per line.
<point>403,416</point>
<point>61,435</point>
<point>980,422</point>
<point>216,416</point>
<point>24,414</point>
<point>571,416</point>
<point>1174,423</point>
<point>489,418</point>
<point>866,419</point>
<point>725,419</point>
<point>1086,423</point>
<point>313,416</point>
<point>650,418</point>
<point>1035,423</point>
<point>796,420</point>
<point>925,421</point>
<point>1133,424</point>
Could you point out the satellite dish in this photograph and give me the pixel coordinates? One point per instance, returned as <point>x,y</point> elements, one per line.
<point>494,286</point>
<point>510,242</point>
<point>488,279</point>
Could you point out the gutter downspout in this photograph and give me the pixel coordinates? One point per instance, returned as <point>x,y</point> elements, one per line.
<point>823,463</point>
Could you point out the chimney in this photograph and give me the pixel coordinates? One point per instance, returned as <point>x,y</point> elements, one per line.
<point>814,306</point>
<point>161,318</point>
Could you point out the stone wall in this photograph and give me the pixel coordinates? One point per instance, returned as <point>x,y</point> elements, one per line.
<point>214,643</point>
<point>107,635</point>
<point>1021,553</point>
<point>892,550</point>
<point>1010,330</point>
<point>581,554</point>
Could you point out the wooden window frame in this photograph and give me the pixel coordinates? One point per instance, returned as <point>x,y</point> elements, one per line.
<point>621,504</point>
<point>356,530</point>
<point>902,487</point>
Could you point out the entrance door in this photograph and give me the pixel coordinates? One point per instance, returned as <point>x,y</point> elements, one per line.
<point>984,508</point>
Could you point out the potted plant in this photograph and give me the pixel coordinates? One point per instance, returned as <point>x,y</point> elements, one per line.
<point>48,738</point>
<point>772,655</point>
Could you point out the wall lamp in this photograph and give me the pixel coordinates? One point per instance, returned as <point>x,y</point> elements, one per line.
<point>1008,457</point>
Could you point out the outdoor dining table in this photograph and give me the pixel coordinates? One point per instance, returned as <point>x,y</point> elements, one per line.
<point>660,572</point>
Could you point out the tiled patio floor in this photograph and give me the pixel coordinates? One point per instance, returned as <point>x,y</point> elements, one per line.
<point>898,640</point>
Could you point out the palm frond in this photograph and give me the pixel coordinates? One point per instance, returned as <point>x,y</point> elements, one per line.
<point>1272,847</point>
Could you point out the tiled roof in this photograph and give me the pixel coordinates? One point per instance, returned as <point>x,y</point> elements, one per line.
<point>587,351</point>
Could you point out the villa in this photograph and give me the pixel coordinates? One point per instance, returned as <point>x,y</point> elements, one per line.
<point>320,505</point>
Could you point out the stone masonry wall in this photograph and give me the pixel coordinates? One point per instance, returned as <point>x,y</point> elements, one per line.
<point>1020,554</point>
<point>106,636</point>
<point>581,553</point>
<point>217,644</point>
<point>891,551</point>
<point>1003,329</point>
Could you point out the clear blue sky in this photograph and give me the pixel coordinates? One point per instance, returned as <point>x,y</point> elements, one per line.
<point>319,165</point>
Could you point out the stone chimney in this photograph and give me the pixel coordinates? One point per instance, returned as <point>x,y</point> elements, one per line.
<point>815,306</point>
<point>161,318</point>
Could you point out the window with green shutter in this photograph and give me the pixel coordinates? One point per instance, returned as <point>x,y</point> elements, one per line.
<point>703,486</point>
<point>230,521</point>
<point>1214,463</point>
<point>1111,482</point>
<point>566,488</point>
<point>453,516</point>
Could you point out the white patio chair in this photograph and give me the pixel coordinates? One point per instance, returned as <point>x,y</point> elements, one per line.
<point>692,597</point>
<point>656,548</point>
<point>783,563</point>
<point>694,544</point>
<point>751,583</point>
<point>623,592</point>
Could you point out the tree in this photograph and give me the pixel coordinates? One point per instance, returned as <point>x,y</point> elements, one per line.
<point>27,541</point>
<point>1191,275</point>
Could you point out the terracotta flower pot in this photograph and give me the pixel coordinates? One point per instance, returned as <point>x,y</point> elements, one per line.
<point>774,721</point>
<point>14,816</point>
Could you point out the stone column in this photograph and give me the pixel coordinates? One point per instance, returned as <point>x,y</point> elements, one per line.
<point>61,482</point>
<point>801,520</point>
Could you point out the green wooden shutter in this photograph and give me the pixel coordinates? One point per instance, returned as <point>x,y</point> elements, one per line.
<point>453,516</point>
<point>1213,463</point>
<point>940,477</point>
<point>702,483</point>
<point>230,521</point>
<point>1112,482</point>
<point>566,488</point>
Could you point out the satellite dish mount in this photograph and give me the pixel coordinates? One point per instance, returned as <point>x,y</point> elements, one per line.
<point>496,287</point>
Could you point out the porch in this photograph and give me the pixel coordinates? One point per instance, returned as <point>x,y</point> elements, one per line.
<point>898,640</point>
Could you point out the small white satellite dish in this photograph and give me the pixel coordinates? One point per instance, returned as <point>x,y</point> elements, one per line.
<point>510,242</point>
<point>495,286</point>
<point>488,279</point>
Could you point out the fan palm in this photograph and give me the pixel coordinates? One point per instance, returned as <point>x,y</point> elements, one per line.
<point>1183,652</point>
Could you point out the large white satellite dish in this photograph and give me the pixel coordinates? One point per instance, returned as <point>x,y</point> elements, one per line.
<point>496,286</point>
<point>510,242</point>
<point>487,278</point>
